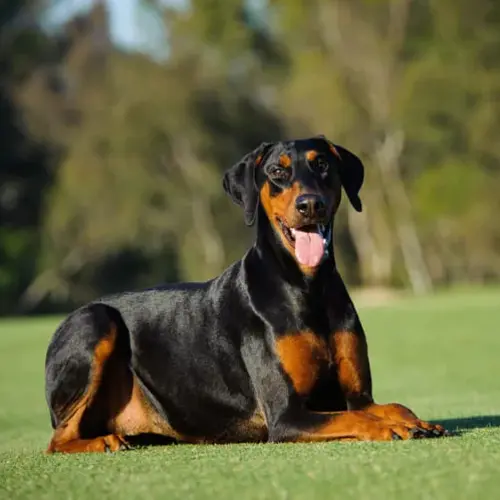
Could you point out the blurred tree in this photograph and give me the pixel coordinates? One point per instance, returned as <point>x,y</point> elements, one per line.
<point>360,63</point>
<point>145,147</point>
<point>111,176</point>
<point>24,162</point>
<point>392,79</point>
<point>452,102</point>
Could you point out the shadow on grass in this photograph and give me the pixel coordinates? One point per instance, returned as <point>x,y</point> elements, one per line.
<point>468,423</point>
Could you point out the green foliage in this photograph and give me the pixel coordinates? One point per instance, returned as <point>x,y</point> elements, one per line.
<point>448,191</point>
<point>113,160</point>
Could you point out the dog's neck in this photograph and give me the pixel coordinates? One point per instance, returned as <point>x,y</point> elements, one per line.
<point>270,249</point>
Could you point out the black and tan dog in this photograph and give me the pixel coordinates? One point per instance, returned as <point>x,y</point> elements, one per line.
<point>271,350</point>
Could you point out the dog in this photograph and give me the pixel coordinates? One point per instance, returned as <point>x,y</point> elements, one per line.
<point>272,350</point>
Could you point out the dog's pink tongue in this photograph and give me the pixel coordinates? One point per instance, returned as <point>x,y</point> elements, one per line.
<point>309,248</point>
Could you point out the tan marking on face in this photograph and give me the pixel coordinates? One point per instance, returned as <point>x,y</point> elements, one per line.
<point>283,206</point>
<point>258,160</point>
<point>307,270</point>
<point>311,155</point>
<point>285,161</point>
<point>333,149</point>
<point>301,355</point>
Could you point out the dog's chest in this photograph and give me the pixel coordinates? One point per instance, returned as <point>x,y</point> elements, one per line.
<point>303,357</point>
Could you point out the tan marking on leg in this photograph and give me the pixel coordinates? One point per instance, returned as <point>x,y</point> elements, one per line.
<point>355,426</point>
<point>350,355</point>
<point>398,413</point>
<point>114,393</point>
<point>69,430</point>
<point>137,416</point>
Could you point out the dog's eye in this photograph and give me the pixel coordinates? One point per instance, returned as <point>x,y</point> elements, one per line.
<point>278,173</point>
<point>322,166</point>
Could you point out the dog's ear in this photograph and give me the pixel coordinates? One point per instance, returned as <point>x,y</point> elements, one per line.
<point>239,182</point>
<point>352,173</point>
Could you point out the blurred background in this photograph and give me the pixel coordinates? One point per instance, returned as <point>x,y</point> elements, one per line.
<point>118,118</point>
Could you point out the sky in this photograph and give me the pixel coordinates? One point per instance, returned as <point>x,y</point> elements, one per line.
<point>126,28</point>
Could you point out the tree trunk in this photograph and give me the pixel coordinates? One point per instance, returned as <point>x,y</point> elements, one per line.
<point>372,237</point>
<point>387,156</point>
<point>211,246</point>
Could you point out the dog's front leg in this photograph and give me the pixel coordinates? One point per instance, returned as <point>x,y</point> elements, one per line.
<point>306,426</point>
<point>350,355</point>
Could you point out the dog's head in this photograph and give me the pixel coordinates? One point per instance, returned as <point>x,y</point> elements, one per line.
<point>298,184</point>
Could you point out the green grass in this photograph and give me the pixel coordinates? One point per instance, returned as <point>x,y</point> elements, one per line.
<point>439,355</point>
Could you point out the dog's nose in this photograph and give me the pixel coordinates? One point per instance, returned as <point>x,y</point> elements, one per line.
<point>310,205</point>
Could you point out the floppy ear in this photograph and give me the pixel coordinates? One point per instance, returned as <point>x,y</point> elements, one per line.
<point>352,173</point>
<point>239,182</point>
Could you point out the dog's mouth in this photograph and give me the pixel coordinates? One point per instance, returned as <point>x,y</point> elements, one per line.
<point>309,241</point>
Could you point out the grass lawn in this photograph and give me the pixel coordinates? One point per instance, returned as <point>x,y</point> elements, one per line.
<point>438,355</point>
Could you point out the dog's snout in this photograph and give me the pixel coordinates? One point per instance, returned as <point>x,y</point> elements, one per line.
<point>310,205</point>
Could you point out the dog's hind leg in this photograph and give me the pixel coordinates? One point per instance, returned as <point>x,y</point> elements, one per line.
<point>79,360</point>
<point>95,399</point>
